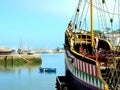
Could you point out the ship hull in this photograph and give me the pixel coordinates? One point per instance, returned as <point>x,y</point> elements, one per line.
<point>82,75</point>
<point>77,83</point>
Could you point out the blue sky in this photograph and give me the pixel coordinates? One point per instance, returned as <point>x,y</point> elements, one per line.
<point>38,23</point>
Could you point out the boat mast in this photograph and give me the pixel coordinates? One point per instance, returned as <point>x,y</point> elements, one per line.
<point>91,23</point>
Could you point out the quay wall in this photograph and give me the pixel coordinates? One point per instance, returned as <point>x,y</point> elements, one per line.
<point>20,59</point>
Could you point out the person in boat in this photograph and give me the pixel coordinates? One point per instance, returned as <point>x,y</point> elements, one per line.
<point>103,35</point>
<point>70,25</point>
<point>100,52</point>
<point>96,42</point>
<point>84,52</point>
<point>69,29</point>
<point>80,49</point>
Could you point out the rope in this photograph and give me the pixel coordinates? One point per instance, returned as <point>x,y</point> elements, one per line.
<point>114,9</point>
<point>85,17</point>
<point>74,14</point>
<point>102,9</point>
<point>112,17</point>
<point>98,16</point>
<point>102,12</point>
<point>104,17</point>
<point>80,20</point>
<point>107,10</point>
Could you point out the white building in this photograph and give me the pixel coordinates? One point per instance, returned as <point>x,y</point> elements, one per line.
<point>114,38</point>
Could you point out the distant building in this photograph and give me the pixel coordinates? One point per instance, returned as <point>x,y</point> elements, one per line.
<point>114,38</point>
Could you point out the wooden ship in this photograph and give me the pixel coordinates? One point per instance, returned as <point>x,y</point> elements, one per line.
<point>91,60</point>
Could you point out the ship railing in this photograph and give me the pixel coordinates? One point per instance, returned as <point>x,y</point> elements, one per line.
<point>80,37</point>
<point>97,79</point>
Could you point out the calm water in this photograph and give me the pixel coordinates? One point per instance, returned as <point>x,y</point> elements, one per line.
<point>29,78</point>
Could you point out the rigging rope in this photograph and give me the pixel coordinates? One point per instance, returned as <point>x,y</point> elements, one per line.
<point>114,9</point>
<point>98,16</point>
<point>107,10</point>
<point>80,20</point>
<point>104,15</point>
<point>101,14</point>
<point>85,16</point>
<point>111,21</point>
<point>112,17</point>
<point>103,10</point>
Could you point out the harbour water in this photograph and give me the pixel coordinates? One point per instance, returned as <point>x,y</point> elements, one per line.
<point>30,78</point>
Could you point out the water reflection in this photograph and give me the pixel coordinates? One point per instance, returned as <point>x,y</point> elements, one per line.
<point>28,76</point>
<point>12,65</point>
<point>13,68</point>
<point>47,72</point>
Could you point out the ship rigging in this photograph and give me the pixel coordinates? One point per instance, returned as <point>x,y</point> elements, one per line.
<point>92,59</point>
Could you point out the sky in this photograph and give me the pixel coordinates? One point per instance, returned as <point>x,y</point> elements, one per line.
<point>34,23</point>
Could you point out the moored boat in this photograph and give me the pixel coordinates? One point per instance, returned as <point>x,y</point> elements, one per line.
<point>47,69</point>
<point>90,59</point>
<point>6,52</point>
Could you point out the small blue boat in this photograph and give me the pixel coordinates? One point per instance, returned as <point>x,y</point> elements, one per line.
<point>47,69</point>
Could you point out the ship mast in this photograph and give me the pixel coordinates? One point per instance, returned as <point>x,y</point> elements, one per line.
<point>91,23</point>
